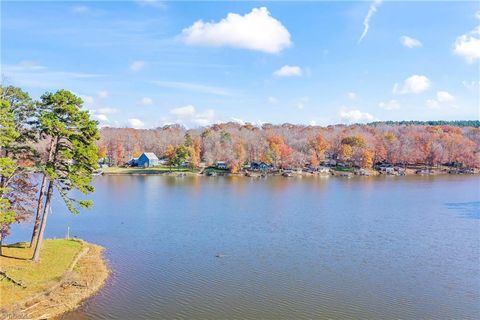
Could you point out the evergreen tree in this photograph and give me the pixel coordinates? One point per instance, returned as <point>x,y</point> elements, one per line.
<point>72,156</point>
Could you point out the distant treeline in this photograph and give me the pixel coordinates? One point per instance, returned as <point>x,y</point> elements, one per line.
<point>455,123</point>
<point>289,145</point>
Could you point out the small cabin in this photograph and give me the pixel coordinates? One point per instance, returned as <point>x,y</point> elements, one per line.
<point>260,166</point>
<point>132,162</point>
<point>387,170</point>
<point>323,169</point>
<point>163,161</point>
<point>147,159</point>
<point>221,165</point>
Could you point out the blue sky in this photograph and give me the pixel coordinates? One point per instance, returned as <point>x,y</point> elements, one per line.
<point>149,63</point>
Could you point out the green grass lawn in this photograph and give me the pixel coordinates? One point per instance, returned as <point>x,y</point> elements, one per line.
<point>56,257</point>
<point>137,170</point>
<point>343,169</point>
<point>216,170</point>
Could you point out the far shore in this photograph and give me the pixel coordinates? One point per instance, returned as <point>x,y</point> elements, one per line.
<point>337,172</point>
<point>70,271</point>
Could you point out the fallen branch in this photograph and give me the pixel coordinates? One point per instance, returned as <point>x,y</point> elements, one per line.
<point>12,280</point>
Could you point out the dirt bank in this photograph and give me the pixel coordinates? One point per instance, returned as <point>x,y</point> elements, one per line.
<point>85,276</point>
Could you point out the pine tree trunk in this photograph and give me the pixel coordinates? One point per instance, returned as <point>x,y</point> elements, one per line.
<point>41,197</point>
<point>39,242</point>
<point>51,154</point>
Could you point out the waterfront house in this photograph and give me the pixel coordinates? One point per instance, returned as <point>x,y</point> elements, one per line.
<point>132,162</point>
<point>221,165</point>
<point>163,161</point>
<point>147,159</point>
<point>323,169</point>
<point>385,168</point>
<point>260,166</point>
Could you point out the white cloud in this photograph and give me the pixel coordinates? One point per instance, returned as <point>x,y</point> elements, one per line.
<point>80,9</point>
<point>31,74</point>
<point>87,99</point>
<point>301,103</point>
<point>26,65</point>
<point>195,87</point>
<point>238,120</point>
<point>468,45</point>
<point>352,95</point>
<point>102,94</point>
<point>443,98</point>
<point>413,84</point>
<point>256,30</point>
<point>272,99</point>
<point>189,117</point>
<point>147,101</point>
<point>100,117</point>
<point>135,123</point>
<point>186,111</point>
<point>288,71</point>
<point>137,65</point>
<point>432,104</point>
<point>366,22</point>
<point>101,114</point>
<point>107,110</point>
<point>471,85</point>
<point>356,116</point>
<point>410,42</point>
<point>389,105</point>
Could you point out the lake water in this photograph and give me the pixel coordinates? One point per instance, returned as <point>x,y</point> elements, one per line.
<point>282,248</point>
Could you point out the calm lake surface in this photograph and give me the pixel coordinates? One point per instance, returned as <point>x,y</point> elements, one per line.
<point>282,248</point>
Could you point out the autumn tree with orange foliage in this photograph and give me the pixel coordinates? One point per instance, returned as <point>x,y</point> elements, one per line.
<point>319,145</point>
<point>314,160</point>
<point>102,152</point>
<point>299,145</point>
<point>170,153</point>
<point>240,157</point>
<point>136,152</point>
<point>278,151</point>
<point>197,148</point>
<point>367,159</point>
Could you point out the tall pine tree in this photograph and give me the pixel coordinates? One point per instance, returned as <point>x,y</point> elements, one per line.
<point>72,156</point>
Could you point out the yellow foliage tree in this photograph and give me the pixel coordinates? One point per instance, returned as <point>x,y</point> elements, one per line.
<point>367,158</point>
<point>346,152</point>
<point>390,137</point>
<point>136,152</point>
<point>194,157</point>
<point>102,151</point>
<point>170,152</point>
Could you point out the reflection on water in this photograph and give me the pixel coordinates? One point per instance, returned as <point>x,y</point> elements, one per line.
<point>282,248</point>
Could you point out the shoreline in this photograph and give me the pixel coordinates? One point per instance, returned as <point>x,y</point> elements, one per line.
<point>251,174</point>
<point>85,276</point>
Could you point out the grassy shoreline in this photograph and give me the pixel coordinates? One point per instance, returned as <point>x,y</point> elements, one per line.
<point>153,170</point>
<point>69,272</point>
<point>335,171</point>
